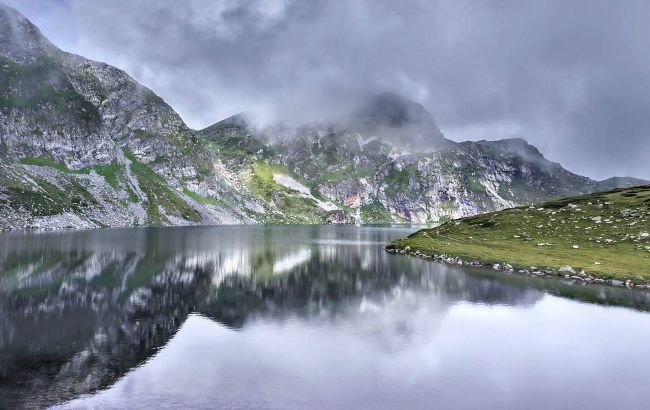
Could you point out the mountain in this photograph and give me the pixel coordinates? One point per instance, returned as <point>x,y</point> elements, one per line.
<point>392,116</point>
<point>82,145</point>
<point>619,182</point>
<point>85,145</point>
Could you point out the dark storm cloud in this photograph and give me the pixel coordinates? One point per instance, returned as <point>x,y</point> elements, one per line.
<point>569,76</point>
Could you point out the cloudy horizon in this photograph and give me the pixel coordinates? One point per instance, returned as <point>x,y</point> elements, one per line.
<point>569,77</point>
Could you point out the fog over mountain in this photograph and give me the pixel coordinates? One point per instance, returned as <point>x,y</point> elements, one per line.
<point>568,76</point>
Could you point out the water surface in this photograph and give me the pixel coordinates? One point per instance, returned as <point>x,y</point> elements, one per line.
<point>301,317</point>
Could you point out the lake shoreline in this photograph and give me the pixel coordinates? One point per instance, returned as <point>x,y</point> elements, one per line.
<point>601,238</point>
<point>563,273</point>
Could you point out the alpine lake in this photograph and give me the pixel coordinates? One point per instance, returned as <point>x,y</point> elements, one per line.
<point>302,317</point>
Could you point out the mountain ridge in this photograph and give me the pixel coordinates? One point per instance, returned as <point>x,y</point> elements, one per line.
<point>82,145</point>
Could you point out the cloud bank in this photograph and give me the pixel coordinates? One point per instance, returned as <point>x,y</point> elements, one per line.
<point>569,76</point>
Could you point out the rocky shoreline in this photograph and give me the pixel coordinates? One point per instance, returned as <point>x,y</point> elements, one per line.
<point>564,272</point>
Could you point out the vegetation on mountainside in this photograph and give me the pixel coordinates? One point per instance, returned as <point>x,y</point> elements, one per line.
<point>397,182</point>
<point>159,194</point>
<point>232,144</point>
<point>42,198</point>
<point>48,162</point>
<point>74,111</point>
<point>605,234</point>
<point>293,207</point>
<point>112,173</point>
<point>374,213</point>
<point>32,86</point>
<point>329,160</point>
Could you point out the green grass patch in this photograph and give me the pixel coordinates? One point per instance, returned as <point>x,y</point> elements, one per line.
<point>398,181</point>
<point>112,173</point>
<point>262,182</point>
<point>47,162</point>
<point>293,207</point>
<point>39,84</point>
<point>375,213</point>
<point>35,195</point>
<point>207,200</point>
<point>473,184</point>
<point>159,194</point>
<point>605,234</point>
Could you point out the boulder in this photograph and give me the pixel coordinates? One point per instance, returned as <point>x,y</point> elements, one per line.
<point>567,270</point>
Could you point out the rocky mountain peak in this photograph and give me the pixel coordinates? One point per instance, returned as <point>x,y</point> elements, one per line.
<point>515,145</point>
<point>392,110</point>
<point>20,40</point>
<point>397,118</point>
<point>235,124</point>
<point>240,121</point>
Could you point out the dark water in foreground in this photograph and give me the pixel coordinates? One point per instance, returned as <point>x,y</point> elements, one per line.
<point>301,317</point>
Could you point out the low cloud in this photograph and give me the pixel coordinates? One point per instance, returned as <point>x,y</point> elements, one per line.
<point>568,76</point>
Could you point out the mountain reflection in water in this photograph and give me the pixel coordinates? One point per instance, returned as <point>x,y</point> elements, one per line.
<point>80,310</point>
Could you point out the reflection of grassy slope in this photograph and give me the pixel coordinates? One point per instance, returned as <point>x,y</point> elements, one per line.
<point>112,275</point>
<point>513,235</point>
<point>109,277</point>
<point>41,265</point>
<point>145,270</point>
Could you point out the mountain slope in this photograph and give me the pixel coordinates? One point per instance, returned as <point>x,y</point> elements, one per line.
<point>619,182</point>
<point>80,126</point>
<point>84,145</point>
<point>373,180</point>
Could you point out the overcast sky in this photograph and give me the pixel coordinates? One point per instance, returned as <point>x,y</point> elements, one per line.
<point>571,77</point>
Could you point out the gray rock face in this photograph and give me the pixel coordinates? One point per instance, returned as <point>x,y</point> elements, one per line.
<point>75,127</point>
<point>338,217</point>
<point>84,145</point>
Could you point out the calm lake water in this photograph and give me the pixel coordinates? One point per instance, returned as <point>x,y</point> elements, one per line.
<point>301,317</point>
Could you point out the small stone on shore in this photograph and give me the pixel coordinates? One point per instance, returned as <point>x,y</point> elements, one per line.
<point>566,270</point>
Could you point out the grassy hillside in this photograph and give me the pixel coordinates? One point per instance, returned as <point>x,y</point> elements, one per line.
<point>605,234</point>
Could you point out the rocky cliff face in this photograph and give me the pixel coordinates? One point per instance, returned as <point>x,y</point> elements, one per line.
<point>372,178</point>
<point>84,145</point>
